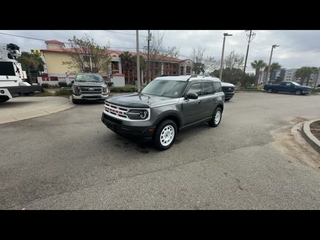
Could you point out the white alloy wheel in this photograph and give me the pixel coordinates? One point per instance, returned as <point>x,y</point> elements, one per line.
<point>167,135</point>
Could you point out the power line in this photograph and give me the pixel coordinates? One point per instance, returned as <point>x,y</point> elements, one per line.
<point>43,40</point>
<point>32,38</point>
<point>125,33</point>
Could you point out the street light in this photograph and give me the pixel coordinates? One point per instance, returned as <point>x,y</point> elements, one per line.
<point>268,73</point>
<point>221,66</point>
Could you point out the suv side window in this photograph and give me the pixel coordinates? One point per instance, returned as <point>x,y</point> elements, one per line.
<point>217,86</point>
<point>207,88</point>
<point>195,88</point>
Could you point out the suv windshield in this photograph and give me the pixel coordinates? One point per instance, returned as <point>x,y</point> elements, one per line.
<point>165,88</point>
<point>89,78</point>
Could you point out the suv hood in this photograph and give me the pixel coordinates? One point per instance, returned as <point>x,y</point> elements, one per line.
<point>138,100</point>
<point>91,84</point>
<point>225,84</point>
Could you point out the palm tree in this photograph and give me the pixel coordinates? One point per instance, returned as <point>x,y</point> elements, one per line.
<point>31,61</point>
<point>304,73</point>
<point>259,66</point>
<point>273,67</point>
<point>127,61</point>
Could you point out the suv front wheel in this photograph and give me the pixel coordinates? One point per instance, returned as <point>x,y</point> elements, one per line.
<point>216,118</point>
<point>165,134</point>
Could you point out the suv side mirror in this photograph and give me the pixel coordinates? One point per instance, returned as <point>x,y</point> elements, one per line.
<point>72,81</point>
<point>192,95</point>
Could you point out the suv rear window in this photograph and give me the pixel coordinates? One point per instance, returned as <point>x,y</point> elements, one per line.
<point>7,69</point>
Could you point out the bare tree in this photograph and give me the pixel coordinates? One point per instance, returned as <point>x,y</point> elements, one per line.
<point>201,62</point>
<point>87,56</point>
<point>234,60</point>
<point>158,53</point>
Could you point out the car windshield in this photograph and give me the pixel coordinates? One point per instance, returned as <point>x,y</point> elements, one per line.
<point>89,78</point>
<point>165,88</point>
<point>297,84</point>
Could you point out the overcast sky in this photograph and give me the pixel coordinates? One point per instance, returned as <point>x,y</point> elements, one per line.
<point>297,48</point>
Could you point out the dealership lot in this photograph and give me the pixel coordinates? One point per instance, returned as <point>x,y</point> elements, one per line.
<point>70,160</point>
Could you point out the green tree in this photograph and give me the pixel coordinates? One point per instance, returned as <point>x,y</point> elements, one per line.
<point>233,75</point>
<point>87,56</point>
<point>304,74</point>
<point>127,62</point>
<point>279,79</point>
<point>273,67</point>
<point>259,66</point>
<point>31,61</point>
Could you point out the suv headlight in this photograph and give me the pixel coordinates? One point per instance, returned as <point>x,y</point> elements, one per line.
<point>105,89</point>
<point>76,89</point>
<point>138,114</point>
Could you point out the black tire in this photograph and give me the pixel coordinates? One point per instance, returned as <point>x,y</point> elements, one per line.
<point>269,90</point>
<point>4,99</point>
<point>226,100</point>
<point>166,128</point>
<point>298,92</point>
<point>216,118</point>
<point>75,101</point>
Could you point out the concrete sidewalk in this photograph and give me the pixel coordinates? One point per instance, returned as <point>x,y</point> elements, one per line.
<point>21,108</point>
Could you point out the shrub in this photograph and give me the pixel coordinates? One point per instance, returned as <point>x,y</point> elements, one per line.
<point>45,85</point>
<point>62,84</point>
<point>122,89</point>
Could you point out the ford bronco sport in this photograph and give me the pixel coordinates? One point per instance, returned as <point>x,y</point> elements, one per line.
<point>165,106</point>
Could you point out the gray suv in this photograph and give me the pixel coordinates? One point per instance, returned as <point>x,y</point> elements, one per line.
<point>165,106</point>
<point>89,87</point>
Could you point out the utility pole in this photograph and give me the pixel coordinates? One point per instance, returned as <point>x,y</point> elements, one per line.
<point>221,66</point>
<point>251,35</point>
<point>138,61</point>
<point>268,72</point>
<point>148,61</point>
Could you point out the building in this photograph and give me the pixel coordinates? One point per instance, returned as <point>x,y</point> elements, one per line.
<point>56,53</point>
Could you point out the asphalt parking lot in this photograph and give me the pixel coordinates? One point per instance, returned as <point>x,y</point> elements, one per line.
<point>255,159</point>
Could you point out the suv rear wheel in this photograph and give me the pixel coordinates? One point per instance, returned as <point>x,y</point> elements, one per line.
<point>216,118</point>
<point>165,134</point>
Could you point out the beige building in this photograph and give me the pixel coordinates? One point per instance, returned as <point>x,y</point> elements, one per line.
<point>55,54</point>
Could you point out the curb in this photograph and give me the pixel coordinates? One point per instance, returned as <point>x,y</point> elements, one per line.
<point>36,113</point>
<point>308,136</point>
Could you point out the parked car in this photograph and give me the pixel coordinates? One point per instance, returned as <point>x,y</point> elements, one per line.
<point>228,89</point>
<point>164,107</point>
<point>89,87</point>
<point>287,86</point>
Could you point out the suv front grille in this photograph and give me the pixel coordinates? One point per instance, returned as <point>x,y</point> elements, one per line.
<point>91,90</point>
<point>120,112</point>
<point>227,89</point>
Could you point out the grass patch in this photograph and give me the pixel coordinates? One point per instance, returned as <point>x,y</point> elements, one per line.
<point>63,92</point>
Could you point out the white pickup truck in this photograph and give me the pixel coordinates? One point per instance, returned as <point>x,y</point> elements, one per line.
<point>12,79</point>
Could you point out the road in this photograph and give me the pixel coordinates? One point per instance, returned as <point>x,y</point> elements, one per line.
<point>255,159</point>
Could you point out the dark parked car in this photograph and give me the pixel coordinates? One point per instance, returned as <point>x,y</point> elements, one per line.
<point>165,106</point>
<point>228,89</point>
<point>287,86</point>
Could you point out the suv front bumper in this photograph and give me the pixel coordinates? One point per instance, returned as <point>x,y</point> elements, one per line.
<point>141,133</point>
<point>90,97</point>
